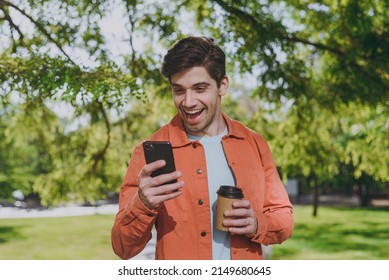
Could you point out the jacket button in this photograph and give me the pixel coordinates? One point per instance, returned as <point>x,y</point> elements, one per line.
<point>194,145</point>
<point>203,233</point>
<point>200,202</point>
<point>199,171</point>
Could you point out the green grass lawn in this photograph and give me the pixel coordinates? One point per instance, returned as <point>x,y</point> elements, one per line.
<point>337,233</point>
<point>64,238</point>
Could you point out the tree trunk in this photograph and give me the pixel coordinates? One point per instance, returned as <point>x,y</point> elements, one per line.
<point>315,196</point>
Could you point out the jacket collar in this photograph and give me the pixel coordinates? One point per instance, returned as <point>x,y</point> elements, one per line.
<point>178,137</point>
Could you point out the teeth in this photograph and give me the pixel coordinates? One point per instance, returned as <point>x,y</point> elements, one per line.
<point>192,112</point>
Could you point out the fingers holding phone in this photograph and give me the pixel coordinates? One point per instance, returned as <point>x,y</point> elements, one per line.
<point>158,180</point>
<point>161,184</point>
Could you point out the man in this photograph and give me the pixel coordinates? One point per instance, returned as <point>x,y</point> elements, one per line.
<point>210,150</point>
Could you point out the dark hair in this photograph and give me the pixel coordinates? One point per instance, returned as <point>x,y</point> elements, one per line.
<point>195,51</point>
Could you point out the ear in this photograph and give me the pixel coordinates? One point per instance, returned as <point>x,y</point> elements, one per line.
<point>224,86</point>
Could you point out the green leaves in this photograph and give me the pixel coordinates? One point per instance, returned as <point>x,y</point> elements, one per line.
<point>42,77</point>
<point>366,141</point>
<point>318,70</point>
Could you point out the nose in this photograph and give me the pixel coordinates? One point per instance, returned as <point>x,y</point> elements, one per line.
<point>189,99</point>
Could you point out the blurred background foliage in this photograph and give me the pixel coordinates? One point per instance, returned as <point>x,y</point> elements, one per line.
<point>80,86</point>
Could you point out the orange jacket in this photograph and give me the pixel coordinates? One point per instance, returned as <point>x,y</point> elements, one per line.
<point>183,224</point>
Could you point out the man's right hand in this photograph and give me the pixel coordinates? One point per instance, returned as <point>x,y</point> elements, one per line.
<point>153,191</point>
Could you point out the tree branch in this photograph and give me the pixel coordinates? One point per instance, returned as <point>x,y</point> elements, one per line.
<point>293,38</point>
<point>241,15</point>
<point>8,18</point>
<point>39,26</point>
<point>131,39</point>
<point>320,46</point>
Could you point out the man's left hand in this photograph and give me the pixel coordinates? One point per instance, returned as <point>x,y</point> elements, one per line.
<point>241,219</point>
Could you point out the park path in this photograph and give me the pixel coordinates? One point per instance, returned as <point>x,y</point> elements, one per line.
<point>14,212</point>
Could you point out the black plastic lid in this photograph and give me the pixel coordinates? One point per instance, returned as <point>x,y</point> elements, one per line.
<point>230,192</point>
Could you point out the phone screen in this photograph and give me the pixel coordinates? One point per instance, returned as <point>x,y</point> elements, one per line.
<point>156,150</point>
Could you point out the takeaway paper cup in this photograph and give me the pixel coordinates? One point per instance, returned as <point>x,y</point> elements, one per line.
<point>226,195</point>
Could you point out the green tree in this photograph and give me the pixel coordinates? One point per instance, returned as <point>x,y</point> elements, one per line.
<point>51,57</point>
<point>25,142</point>
<point>311,60</point>
<point>327,60</point>
<point>289,45</point>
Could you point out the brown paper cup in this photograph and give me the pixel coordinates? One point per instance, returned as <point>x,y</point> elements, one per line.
<point>223,204</point>
<point>226,196</point>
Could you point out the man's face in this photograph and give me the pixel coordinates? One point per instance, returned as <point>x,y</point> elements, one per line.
<point>198,101</point>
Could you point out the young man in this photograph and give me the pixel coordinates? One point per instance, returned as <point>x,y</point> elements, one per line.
<point>210,150</point>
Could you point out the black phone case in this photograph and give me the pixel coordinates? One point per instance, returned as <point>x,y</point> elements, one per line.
<point>156,150</point>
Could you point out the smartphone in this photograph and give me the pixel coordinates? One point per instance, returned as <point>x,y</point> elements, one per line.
<point>156,150</point>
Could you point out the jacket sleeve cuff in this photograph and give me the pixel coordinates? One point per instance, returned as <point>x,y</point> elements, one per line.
<point>273,228</point>
<point>137,210</point>
<point>261,230</point>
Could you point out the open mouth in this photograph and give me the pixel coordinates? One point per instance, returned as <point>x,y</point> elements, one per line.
<point>193,114</point>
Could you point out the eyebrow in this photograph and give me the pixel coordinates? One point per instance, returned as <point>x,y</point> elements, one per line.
<point>194,85</point>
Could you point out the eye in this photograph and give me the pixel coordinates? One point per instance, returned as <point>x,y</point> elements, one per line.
<point>201,88</point>
<point>178,91</point>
